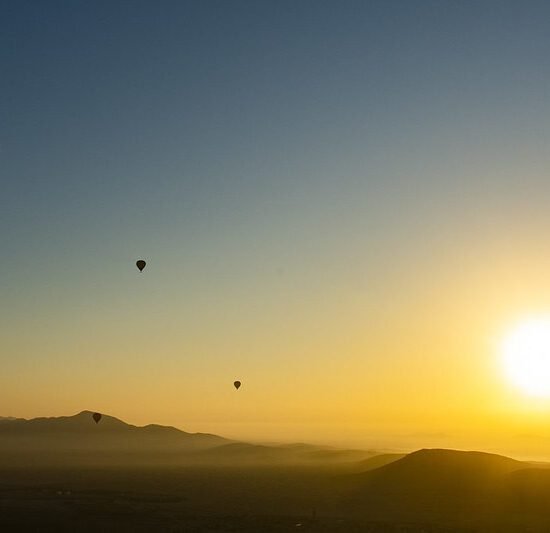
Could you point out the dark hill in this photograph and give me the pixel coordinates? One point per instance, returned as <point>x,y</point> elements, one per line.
<point>430,466</point>
<point>444,485</point>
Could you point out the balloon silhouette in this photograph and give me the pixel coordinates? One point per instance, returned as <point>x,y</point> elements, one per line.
<point>96,417</point>
<point>141,264</point>
<point>237,384</point>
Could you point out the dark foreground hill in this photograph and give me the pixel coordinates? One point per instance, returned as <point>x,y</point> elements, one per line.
<point>451,487</point>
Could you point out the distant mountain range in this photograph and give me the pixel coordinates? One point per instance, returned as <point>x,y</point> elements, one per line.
<point>79,440</point>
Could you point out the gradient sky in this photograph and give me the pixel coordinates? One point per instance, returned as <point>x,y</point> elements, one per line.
<point>343,204</point>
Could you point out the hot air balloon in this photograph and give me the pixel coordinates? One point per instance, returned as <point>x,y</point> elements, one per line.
<point>140,264</point>
<point>96,417</point>
<point>237,384</point>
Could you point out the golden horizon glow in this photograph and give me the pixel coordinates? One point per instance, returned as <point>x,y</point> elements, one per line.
<point>526,356</point>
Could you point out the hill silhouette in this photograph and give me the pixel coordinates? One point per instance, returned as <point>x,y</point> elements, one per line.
<point>448,486</point>
<point>434,467</point>
<point>70,440</point>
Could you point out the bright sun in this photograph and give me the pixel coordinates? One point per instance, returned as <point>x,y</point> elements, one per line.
<point>526,356</point>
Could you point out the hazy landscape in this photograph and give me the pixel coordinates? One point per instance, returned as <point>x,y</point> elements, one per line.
<point>295,254</point>
<point>68,473</point>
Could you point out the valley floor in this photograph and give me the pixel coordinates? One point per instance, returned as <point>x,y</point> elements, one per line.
<point>194,500</point>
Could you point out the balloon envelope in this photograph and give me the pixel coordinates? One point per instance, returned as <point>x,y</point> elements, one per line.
<point>237,384</point>
<point>96,417</point>
<point>141,264</point>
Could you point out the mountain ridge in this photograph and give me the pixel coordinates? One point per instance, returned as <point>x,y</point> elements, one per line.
<point>78,439</point>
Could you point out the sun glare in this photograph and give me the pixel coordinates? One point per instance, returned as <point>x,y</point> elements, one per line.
<point>526,356</point>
